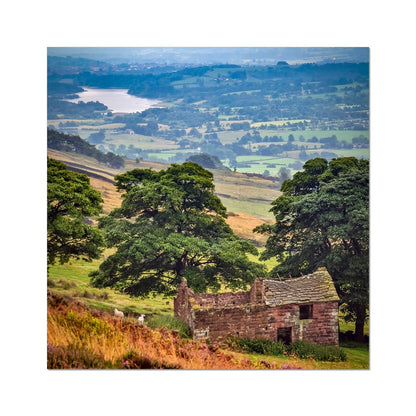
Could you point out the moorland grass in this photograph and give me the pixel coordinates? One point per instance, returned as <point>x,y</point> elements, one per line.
<point>82,338</point>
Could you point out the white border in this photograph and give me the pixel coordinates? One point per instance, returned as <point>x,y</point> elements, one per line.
<point>32,26</point>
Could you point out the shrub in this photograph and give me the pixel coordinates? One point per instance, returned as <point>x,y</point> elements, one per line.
<point>102,295</point>
<point>304,349</point>
<point>169,322</point>
<point>299,349</point>
<point>88,295</point>
<point>51,283</point>
<point>60,357</point>
<point>132,360</point>
<point>65,284</point>
<point>259,346</point>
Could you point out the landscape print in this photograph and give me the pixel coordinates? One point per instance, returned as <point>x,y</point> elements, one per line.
<point>208,208</point>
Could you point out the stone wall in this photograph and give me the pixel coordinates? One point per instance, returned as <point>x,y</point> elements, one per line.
<point>261,321</point>
<point>221,299</point>
<point>243,314</point>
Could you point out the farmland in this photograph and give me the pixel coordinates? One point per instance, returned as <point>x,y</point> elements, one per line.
<point>289,113</point>
<point>160,149</point>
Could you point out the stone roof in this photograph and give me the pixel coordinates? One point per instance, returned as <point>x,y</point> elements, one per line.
<point>315,287</point>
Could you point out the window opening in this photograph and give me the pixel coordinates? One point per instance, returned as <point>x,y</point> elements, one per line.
<point>305,311</point>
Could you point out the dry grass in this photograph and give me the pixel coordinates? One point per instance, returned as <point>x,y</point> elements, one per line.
<point>79,337</point>
<point>248,195</point>
<point>72,327</point>
<point>243,225</point>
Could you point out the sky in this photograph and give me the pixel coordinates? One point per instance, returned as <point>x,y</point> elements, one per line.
<point>212,55</point>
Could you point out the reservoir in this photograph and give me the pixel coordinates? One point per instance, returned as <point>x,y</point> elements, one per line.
<point>117,100</point>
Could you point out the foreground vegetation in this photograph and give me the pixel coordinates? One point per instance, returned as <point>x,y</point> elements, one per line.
<point>70,345</point>
<point>84,338</point>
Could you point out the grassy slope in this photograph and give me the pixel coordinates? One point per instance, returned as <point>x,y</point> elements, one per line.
<point>248,198</point>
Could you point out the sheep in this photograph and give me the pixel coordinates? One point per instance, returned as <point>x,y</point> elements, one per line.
<point>140,319</point>
<point>118,314</point>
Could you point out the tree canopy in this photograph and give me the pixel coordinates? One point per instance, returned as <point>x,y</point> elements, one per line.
<point>171,225</point>
<point>71,200</point>
<point>71,143</point>
<point>322,219</point>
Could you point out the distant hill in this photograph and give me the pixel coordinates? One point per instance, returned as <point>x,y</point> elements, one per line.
<point>214,55</point>
<point>72,143</point>
<point>64,65</point>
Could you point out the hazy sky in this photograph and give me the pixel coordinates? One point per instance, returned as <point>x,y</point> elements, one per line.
<point>209,55</point>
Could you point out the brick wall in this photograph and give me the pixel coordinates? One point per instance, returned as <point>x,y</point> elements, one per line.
<point>215,316</point>
<point>261,321</point>
<point>221,299</point>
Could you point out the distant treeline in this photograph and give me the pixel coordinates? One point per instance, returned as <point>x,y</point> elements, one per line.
<point>74,144</point>
<point>81,110</point>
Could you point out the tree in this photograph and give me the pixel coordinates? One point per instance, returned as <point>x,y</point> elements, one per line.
<point>71,200</point>
<point>322,220</point>
<point>96,138</point>
<point>207,161</point>
<point>171,225</point>
<point>283,174</point>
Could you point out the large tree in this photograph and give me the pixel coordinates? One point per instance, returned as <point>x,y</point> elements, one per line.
<point>71,201</point>
<point>171,225</point>
<point>322,219</point>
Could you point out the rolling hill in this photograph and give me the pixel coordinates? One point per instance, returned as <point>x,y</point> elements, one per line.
<point>247,197</point>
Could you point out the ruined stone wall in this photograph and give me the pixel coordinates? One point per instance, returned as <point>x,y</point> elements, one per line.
<point>257,292</point>
<point>261,321</point>
<point>220,299</point>
<point>243,314</point>
<point>323,327</point>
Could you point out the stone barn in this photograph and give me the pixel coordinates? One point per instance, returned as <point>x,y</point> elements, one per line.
<point>303,308</point>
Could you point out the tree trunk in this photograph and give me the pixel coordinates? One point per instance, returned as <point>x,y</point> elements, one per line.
<point>359,329</point>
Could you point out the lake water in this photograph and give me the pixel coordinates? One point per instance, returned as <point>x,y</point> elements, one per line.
<point>117,100</point>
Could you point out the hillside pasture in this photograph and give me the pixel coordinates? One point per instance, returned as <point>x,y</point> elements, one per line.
<point>72,279</point>
<point>239,193</point>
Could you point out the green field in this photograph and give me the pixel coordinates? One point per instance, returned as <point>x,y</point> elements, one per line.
<point>160,149</point>
<point>257,209</point>
<point>72,279</point>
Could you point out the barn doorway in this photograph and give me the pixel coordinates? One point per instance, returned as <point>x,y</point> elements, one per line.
<point>285,335</point>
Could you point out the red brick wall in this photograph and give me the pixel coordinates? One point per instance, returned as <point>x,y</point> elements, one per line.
<point>218,317</point>
<point>261,321</point>
<point>221,299</point>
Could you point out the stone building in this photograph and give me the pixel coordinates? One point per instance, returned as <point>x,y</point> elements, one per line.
<point>303,308</point>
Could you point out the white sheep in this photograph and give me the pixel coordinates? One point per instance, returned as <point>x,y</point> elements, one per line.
<point>140,319</point>
<point>118,314</point>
